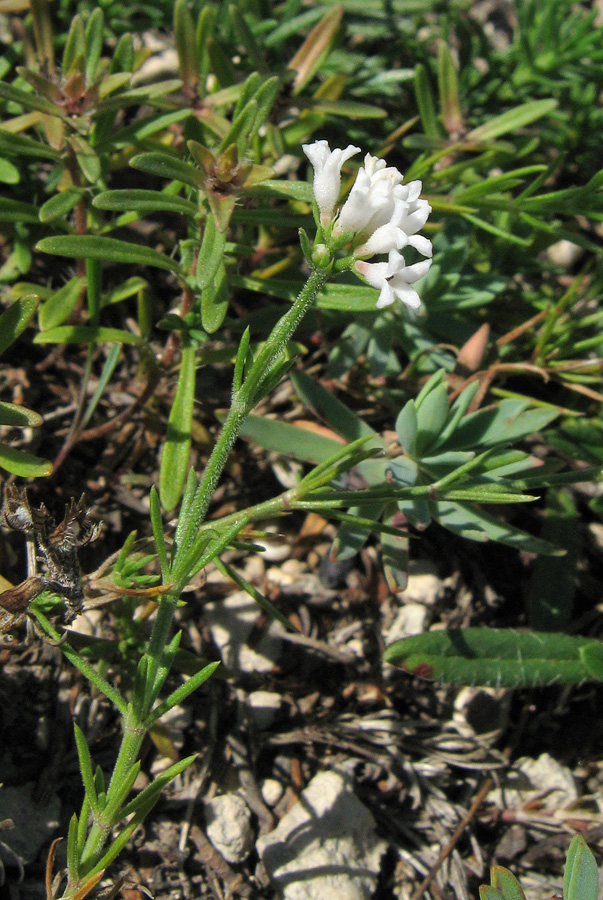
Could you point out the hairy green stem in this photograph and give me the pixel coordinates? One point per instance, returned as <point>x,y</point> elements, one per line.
<point>100,831</point>
<point>243,402</point>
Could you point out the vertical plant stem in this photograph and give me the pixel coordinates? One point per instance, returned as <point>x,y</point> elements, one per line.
<point>99,832</point>
<point>243,402</point>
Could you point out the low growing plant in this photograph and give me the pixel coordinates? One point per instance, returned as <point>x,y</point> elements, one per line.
<point>210,149</point>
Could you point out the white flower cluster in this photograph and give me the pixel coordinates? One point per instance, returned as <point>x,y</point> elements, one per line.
<point>380,216</point>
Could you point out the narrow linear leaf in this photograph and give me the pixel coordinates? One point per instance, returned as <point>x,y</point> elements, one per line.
<point>18,416</point>
<point>61,304</point>
<point>289,440</point>
<point>29,101</point>
<point>18,211</point>
<point>16,318</point>
<point>26,465</point>
<point>214,301</point>
<point>168,167</point>
<point>425,102</point>
<point>512,120</point>
<point>476,525</point>
<point>60,205</point>
<point>335,413</point>
<point>495,657</point>
<point>144,201</point>
<point>581,876</point>
<point>175,455</point>
<point>87,334</point>
<point>20,145</point>
<point>110,250</point>
<point>315,48</point>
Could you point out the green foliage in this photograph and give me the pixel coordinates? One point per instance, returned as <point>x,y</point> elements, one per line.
<point>580,881</point>
<point>175,206</point>
<point>499,657</point>
<point>13,322</point>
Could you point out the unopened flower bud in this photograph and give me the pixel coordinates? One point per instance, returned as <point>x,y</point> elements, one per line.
<point>321,256</point>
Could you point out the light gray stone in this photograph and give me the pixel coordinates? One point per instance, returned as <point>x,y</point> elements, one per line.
<point>543,779</point>
<point>410,619</point>
<point>326,846</point>
<point>228,827</point>
<point>272,791</point>
<point>231,622</point>
<point>263,708</point>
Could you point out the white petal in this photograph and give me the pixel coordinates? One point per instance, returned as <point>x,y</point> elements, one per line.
<point>386,297</point>
<point>395,262</point>
<point>415,218</point>
<point>414,190</point>
<point>374,273</point>
<point>317,153</point>
<point>382,240</point>
<point>410,274</point>
<point>408,296</point>
<point>327,174</point>
<point>420,243</point>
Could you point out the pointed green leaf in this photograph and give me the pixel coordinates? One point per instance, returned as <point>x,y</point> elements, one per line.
<point>61,304</point>
<point>425,102</point>
<point>407,425</point>
<point>60,205</point>
<point>512,120</point>
<point>26,465</point>
<point>94,43</point>
<point>169,167</point>
<point>476,525</point>
<point>289,439</point>
<point>75,47</point>
<point>338,416</point>
<point>108,250</point>
<point>581,876</point>
<point>20,145</point>
<point>87,334</point>
<point>18,416</point>
<point>174,458</point>
<point>507,421</point>
<point>158,535</point>
<point>144,201</point>
<point>431,417</point>
<point>214,301</point>
<point>496,657</point>
<point>29,101</point>
<point>211,254</point>
<point>16,318</point>
<point>184,35</point>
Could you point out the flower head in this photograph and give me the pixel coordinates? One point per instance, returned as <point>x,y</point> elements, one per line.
<point>380,216</point>
<point>327,165</point>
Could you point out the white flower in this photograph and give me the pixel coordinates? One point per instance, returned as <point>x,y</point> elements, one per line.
<point>372,198</point>
<point>400,231</point>
<point>327,174</point>
<point>380,216</point>
<point>393,279</point>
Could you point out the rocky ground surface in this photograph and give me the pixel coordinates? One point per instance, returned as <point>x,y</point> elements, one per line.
<point>322,772</point>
